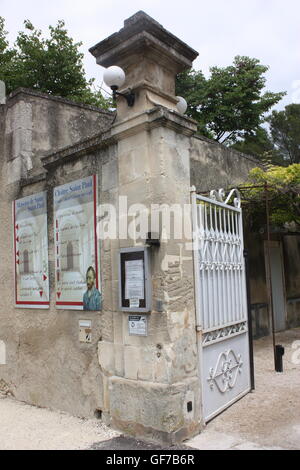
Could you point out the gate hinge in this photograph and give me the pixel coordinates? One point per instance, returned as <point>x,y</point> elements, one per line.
<point>198,328</point>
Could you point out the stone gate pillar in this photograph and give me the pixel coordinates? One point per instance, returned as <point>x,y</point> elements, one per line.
<point>151,384</point>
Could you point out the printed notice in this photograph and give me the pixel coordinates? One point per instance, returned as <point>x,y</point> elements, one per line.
<point>76,245</point>
<point>134,303</point>
<point>137,325</point>
<point>31,251</point>
<point>134,279</point>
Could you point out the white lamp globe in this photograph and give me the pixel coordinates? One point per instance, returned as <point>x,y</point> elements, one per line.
<point>181,105</point>
<point>114,76</point>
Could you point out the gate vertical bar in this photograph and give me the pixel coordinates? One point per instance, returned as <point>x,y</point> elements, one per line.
<point>199,327</point>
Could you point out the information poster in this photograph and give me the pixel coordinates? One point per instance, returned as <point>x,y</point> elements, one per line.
<point>134,279</point>
<point>76,245</point>
<point>31,251</point>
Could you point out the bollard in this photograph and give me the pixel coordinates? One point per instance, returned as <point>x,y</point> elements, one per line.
<point>279,352</point>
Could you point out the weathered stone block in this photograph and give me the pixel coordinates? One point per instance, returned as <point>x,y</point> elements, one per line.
<point>153,410</point>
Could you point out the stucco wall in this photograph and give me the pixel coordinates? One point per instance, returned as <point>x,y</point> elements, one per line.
<point>215,166</point>
<point>36,123</point>
<point>45,364</point>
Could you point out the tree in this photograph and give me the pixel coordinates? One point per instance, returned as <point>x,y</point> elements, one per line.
<point>6,55</point>
<point>283,190</point>
<point>285,132</point>
<point>261,146</point>
<point>230,103</point>
<point>53,65</point>
<point>257,144</point>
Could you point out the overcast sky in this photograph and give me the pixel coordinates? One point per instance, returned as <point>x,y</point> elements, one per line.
<point>265,29</point>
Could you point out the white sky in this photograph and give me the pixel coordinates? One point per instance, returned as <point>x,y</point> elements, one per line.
<point>218,29</point>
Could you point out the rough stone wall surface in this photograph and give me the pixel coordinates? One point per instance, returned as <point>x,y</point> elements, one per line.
<point>149,380</point>
<point>36,124</point>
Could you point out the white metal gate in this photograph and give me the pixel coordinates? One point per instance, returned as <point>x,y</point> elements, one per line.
<point>221,301</point>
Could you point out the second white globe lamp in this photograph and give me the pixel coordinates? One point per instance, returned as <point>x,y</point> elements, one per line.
<point>114,77</point>
<point>181,105</point>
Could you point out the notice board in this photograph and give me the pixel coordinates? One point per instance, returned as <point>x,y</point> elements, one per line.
<point>134,280</point>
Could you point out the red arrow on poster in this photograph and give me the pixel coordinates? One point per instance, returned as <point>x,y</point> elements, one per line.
<point>58,294</point>
<point>41,293</point>
<point>44,277</point>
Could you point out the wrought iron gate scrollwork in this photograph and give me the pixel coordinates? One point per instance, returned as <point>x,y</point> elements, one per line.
<point>225,373</point>
<point>221,303</point>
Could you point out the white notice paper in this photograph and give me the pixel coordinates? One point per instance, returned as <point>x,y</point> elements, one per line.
<point>134,279</point>
<point>137,325</point>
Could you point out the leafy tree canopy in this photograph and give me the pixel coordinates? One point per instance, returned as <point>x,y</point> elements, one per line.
<point>230,104</point>
<point>283,188</point>
<point>285,132</point>
<point>52,65</point>
<point>258,144</point>
<point>261,146</point>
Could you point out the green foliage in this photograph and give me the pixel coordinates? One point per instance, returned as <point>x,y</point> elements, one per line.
<point>283,188</point>
<point>192,85</point>
<point>52,65</point>
<point>257,144</point>
<point>285,132</point>
<point>260,146</point>
<point>230,103</point>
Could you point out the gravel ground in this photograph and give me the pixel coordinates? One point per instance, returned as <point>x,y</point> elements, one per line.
<point>27,427</point>
<point>269,418</point>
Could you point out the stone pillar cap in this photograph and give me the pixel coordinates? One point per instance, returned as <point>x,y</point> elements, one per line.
<point>141,33</point>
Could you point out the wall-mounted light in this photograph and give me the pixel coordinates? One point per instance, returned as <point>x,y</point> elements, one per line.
<point>114,77</point>
<point>152,239</point>
<point>181,105</point>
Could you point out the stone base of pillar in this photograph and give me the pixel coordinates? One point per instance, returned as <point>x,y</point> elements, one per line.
<point>168,413</point>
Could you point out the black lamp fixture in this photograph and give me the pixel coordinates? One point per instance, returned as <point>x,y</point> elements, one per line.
<point>114,77</point>
<point>153,240</point>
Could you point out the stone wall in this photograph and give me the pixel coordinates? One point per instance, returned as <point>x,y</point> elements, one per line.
<point>215,166</point>
<point>45,363</point>
<point>36,123</point>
